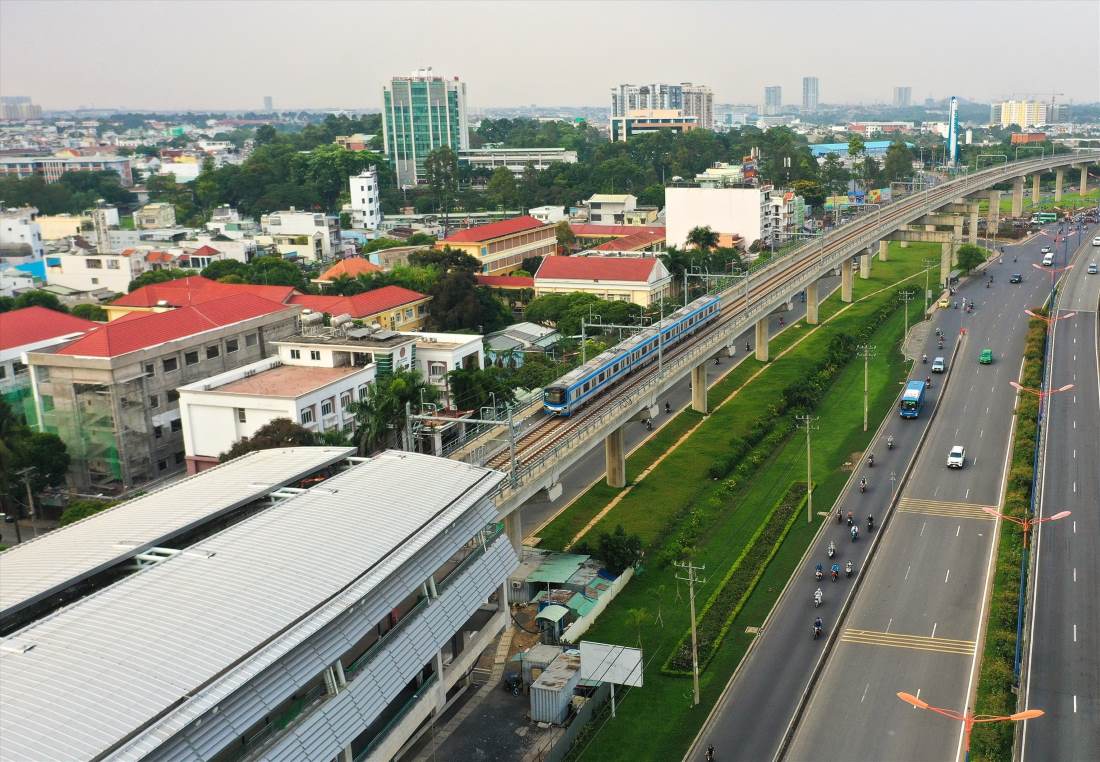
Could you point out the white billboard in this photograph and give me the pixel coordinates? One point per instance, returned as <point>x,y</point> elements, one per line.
<point>611,664</point>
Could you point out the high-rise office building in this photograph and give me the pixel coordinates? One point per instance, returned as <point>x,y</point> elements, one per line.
<point>773,100</point>
<point>903,96</point>
<point>269,105</point>
<point>19,107</point>
<point>420,113</point>
<point>690,99</point>
<point>1057,113</point>
<point>811,90</point>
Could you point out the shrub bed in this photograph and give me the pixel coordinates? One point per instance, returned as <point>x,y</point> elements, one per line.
<point>734,589</point>
<point>993,741</point>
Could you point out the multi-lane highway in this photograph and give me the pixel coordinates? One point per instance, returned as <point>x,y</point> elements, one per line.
<point>917,624</point>
<point>1064,641</point>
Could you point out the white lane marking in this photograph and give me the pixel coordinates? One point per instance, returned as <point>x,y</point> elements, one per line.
<point>946,578</point>
<point>967,494</point>
<point>922,526</point>
<point>1074,452</point>
<point>987,411</point>
<point>918,696</point>
<point>907,570</point>
<point>1075,487</point>
<point>1074,573</point>
<point>1075,527</point>
<point>934,628</point>
<point>888,624</point>
<point>1074,703</point>
<point>936,493</point>
<point>1074,633</point>
<point>866,688</point>
<point>956,433</point>
<point>981,433</point>
<point>958,529</point>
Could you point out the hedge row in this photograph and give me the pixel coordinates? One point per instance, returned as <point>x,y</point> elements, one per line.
<point>993,741</point>
<point>735,588</point>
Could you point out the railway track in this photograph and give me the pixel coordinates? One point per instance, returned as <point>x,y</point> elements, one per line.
<point>551,430</point>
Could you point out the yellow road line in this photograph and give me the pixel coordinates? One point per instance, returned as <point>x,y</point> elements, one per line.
<point>944,508</point>
<point>912,642</point>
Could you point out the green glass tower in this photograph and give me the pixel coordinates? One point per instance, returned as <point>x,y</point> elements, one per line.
<point>422,112</point>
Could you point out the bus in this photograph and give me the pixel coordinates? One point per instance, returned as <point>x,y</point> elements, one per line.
<point>912,399</point>
<point>1042,218</point>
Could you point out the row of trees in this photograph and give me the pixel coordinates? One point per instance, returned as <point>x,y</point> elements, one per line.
<point>28,459</point>
<point>73,193</point>
<point>51,302</point>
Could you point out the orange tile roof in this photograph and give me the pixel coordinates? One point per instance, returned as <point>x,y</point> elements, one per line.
<point>596,268</point>
<point>33,324</point>
<point>493,230</point>
<point>506,281</point>
<point>196,290</point>
<point>634,241</point>
<point>350,267</point>
<point>612,231</point>
<point>360,305</point>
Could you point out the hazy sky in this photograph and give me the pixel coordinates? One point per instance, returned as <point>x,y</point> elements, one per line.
<point>229,54</point>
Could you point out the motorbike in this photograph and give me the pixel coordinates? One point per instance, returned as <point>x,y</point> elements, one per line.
<point>668,408</point>
<point>956,305</point>
<point>717,361</point>
<point>890,442</point>
<point>835,571</point>
<point>839,517</point>
<point>871,460</point>
<point>818,597</point>
<point>817,630</point>
<point>848,569</point>
<point>855,533</point>
<point>649,424</point>
<point>924,359</point>
<point>870,523</point>
<point>710,754</point>
<point>818,573</point>
<point>831,550</point>
<point>862,486</point>
<point>851,521</point>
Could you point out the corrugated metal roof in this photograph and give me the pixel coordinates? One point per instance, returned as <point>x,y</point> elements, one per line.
<point>47,564</point>
<point>558,568</point>
<point>129,667</point>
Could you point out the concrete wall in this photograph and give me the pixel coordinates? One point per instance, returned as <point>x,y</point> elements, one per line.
<point>726,210</point>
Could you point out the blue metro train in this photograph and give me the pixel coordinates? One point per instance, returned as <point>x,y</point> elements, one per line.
<point>580,385</point>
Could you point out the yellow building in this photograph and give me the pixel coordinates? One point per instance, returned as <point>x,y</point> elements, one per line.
<point>502,246</point>
<point>642,280</point>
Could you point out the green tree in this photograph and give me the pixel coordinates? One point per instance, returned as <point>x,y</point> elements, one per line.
<point>502,188</point>
<point>280,432</point>
<point>618,550</point>
<point>90,312</point>
<point>38,299</point>
<point>970,256</point>
<point>898,163</point>
<point>702,238</point>
<point>149,277</point>
<point>475,388</point>
<point>82,509</point>
<point>530,187</point>
<point>834,175</point>
<point>22,448</point>
<point>441,173</point>
<point>812,192</point>
<point>566,238</point>
<point>856,146</point>
<point>276,271</point>
<point>222,268</point>
<point>380,418</point>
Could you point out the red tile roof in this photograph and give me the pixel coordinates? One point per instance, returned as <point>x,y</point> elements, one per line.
<point>196,290</point>
<point>494,230</point>
<point>350,267</point>
<point>612,231</point>
<point>158,256</point>
<point>149,329</point>
<point>596,268</point>
<point>634,241</point>
<point>506,281</point>
<point>205,251</point>
<point>361,305</point>
<point>32,324</point>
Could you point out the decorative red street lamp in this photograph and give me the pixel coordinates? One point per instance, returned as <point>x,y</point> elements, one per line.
<point>1027,524</point>
<point>968,718</point>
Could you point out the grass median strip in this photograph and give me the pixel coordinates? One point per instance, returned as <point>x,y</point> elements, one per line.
<point>658,721</point>
<point>993,741</point>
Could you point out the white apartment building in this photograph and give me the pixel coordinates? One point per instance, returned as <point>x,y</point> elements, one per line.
<point>610,209</point>
<point>720,175</point>
<point>312,235</point>
<point>242,250</point>
<point>437,354</point>
<point>153,216</point>
<point>1022,113</point>
<point>366,202</point>
<point>296,384</point>
<point>516,160</point>
<point>89,271</point>
<point>13,281</point>
<point>744,212</point>
<point>549,215</point>
<point>20,236</point>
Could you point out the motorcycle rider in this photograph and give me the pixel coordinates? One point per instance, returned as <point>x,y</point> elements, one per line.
<point>818,597</point>
<point>848,568</point>
<point>851,521</point>
<point>710,754</point>
<point>818,573</point>
<point>855,533</point>
<point>924,359</point>
<point>818,626</point>
<point>870,522</point>
<point>839,516</point>
<point>668,407</point>
<point>862,485</point>
<point>871,459</point>
<point>835,570</point>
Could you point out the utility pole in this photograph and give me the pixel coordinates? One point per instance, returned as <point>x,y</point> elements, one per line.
<point>807,421</point>
<point>692,579</point>
<point>26,474</point>
<point>906,296</point>
<point>927,269</point>
<point>867,351</point>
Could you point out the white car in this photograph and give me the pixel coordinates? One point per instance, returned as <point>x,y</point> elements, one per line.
<point>1092,268</point>
<point>1045,250</point>
<point>1096,241</point>
<point>938,365</point>
<point>956,457</point>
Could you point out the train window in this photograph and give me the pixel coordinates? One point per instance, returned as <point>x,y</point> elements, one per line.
<point>555,396</point>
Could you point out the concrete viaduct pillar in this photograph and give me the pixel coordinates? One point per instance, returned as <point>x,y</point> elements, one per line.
<point>1084,179</point>
<point>846,281</point>
<point>883,250</point>
<point>1018,197</point>
<point>811,304</point>
<point>1035,190</point>
<point>614,453</point>
<point>956,239</point>
<point>973,238</point>
<point>946,249</point>
<point>699,388</point>
<point>513,527</point>
<point>865,264</point>
<point>1059,176</point>
<point>993,221</point>
<point>762,339</point>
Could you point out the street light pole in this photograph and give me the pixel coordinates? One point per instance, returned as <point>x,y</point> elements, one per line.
<point>807,421</point>
<point>968,718</point>
<point>867,351</point>
<point>906,296</point>
<point>692,579</point>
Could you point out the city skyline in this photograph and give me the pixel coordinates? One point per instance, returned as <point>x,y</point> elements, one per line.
<point>344,70</point>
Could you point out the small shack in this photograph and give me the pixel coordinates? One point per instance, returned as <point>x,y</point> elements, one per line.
<point>552,693</point>
<point>552,621</point>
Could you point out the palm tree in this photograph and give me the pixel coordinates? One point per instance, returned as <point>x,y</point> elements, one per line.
<point>383,411</point>
<point>703,238</point>
<point>677,262</point>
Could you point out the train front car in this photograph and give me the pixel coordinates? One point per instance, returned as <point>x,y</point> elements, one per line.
<point>555,399</point>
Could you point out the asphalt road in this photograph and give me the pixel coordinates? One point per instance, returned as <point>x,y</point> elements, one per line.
<point>916,624</point>
<point>1064,641</point>
<point>591,466</point>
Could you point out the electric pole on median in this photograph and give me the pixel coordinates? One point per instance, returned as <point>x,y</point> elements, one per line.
<point>807,421</point>
<point>867,351</point>
<point>692,579</point>
<point>927,269</point>
<point>906,296</point>
<point>26,474</point>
